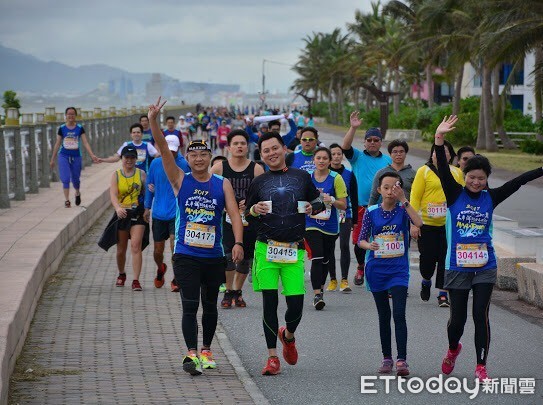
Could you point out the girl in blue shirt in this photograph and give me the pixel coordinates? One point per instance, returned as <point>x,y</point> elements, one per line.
<point>385,237</point>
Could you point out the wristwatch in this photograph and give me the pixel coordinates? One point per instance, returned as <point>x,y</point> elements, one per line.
<point>332,200</point>
<point>406,204</point>
<point>239,243</point>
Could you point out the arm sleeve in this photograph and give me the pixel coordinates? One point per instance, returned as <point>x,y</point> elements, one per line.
<point>451,188</point>
<point>349,153</point>
<point>121,148</point>
<point>82,130</point>
<point>148,202</point>
<point>340,188</point>
<point>250,200</point>
<point>503,192</point>
<point>252,136</point>
<point>374,195</point>
<point>365,231</point>
<point>287,138</point>
<point>354,198</point>
<point>59,132</point>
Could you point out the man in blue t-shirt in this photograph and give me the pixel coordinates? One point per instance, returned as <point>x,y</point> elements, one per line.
<point>365,163</point>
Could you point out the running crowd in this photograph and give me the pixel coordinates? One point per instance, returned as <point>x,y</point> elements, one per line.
<point>275,194</point>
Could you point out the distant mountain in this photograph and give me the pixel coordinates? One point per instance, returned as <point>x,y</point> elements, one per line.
<point>22,72</point>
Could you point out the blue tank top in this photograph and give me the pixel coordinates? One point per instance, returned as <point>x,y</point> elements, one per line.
<point>148,136</point>
<point>388,266</point>
<point>198,230</point>
<point>142,162</point>
<point>469,233</point>
<point>71,140</point>
<point>303,162</point>
<point>328,220</point>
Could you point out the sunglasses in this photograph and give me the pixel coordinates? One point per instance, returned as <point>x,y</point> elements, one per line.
<point>373,140</point>
<point>309,139</point>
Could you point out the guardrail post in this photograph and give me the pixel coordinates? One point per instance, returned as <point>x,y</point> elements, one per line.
<point>32,158</point>
<point>19,187</point>
<point>4,173</point>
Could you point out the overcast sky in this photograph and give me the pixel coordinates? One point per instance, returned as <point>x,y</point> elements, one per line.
<point>209,41</point>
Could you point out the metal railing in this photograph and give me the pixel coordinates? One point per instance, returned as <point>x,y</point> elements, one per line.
<point>27,145</point>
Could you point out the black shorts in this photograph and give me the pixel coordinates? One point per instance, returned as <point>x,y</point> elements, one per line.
<point>133,217</point>
<point>192,271</point>
<point>162,229</point>
<point>242,267</point>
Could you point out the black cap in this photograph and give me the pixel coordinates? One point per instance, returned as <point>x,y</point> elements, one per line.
<point>129,151</point>
<point>199,144</point>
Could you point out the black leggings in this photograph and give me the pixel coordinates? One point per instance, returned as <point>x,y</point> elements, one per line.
<point>198,279</point>
<point>399,299</point>
<point>344,246</point>
<point>482,293</point>
<point>432,245</point>
<point>293,316</point>
<point>321,246</point>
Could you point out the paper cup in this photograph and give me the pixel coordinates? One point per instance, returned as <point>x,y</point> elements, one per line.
<point>301,207</point>
<point>269,204</point>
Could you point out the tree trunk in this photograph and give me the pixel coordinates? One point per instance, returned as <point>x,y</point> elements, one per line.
<point>369,99</point>
<point>538,93</point>
<point>491,145</point>
<point>380,76</point>
<point>396,99</point>
<point>498,105</point>
<point>330,93</point>
<point>430,84</point>
<point>458,91</point>
<point>481,133</point>
<point>340,102</point>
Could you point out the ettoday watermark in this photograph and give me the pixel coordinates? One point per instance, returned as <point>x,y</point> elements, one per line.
<point>451,385</point>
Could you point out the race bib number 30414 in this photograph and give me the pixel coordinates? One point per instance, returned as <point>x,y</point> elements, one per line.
<point>282,252</point>
<point>200,235</point>
<point>471,254</point>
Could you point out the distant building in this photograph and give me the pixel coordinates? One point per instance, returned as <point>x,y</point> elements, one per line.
<point>153,88</point>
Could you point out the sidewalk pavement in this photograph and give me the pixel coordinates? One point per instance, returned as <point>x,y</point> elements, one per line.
<point>89,341</point>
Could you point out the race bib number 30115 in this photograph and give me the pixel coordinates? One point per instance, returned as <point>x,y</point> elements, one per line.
<point>200,235</point>
<point>471,254</point>
<point>282,252</point>
<point>436,210</point>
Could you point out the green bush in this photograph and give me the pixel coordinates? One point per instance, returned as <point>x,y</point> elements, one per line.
<point>515,121</point>
<point>532,146</point>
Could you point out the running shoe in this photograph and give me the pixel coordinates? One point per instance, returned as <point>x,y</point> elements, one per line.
<point>121,278</point>
<point>480,373</point>
<point>192,365</point>
<point>402,368</point>
<point>273,367</point>
<point>443,301</point>
<point>174,286</point>
<point>332,286</point>
<point>386,366</point>
<point>359,276</point>
<point>450,359</point>
<point>318,302</point>
<point>227,299</point>
<point>425,291</point>
<point>222,288</point>
<point>290,354</point>
<point>238,299</point>
<point>78,199</point>
<point>136,286</point>
<point>67,204</point>
<point>344,286</point>
<point>159,279</point>
<point>206,359</point>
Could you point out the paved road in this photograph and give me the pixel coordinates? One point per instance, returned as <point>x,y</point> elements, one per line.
<point>340,344</point>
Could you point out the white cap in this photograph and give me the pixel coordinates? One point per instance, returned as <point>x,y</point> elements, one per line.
<point>173,142</point>
<point>189,114</point>
<point>181,117</point>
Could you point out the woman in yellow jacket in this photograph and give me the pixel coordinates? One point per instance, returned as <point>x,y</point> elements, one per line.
<point>428,198</point>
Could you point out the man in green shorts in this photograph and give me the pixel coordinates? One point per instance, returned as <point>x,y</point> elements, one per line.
<point>277,202</point>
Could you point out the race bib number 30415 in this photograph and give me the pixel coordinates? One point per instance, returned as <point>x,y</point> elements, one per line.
<point>282,252</point>
<point>200,235</point>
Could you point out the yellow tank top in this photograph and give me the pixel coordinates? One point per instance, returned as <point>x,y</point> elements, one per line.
<point>129,188</point>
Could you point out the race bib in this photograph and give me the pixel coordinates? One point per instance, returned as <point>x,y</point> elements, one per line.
<point>142,156</point>
<point>436,210</point>
<point>341,216</point>
<point>282,252</point>
<point>324,215</point>
<point>471,254</point>
<point>390,245</point>
<point>70,142</point>
<point>200,235</point>
<point>243,220</point>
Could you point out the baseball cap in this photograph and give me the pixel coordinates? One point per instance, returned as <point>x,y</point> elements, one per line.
<point>373,132</point>
<point>173,142</point>
<point>189,114</point>
<point>264,125</point>
<point>198,144</point>
<point>181,117</point>
<point>129,151</point>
